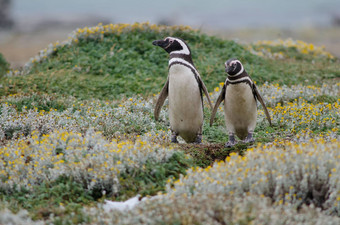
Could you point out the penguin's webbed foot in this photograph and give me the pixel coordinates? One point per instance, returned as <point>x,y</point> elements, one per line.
<point>198,139</point>
<point>231,142</point>
<point>249,138</point>
<point>174,137</point>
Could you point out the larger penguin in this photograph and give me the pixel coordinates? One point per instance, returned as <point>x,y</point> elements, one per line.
<point>240,109</point>
<point>184,87</point>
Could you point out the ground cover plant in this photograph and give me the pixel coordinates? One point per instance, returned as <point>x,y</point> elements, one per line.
<point>4,65</point>
<point>79,117</point>
<point>108,61</point>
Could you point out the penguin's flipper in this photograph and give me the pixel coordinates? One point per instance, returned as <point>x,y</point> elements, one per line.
<point>259,97</point>
<point>217,104</point>
<point>205,90</point>
<point>161,98</point>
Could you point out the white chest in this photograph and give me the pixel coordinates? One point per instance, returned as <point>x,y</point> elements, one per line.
<point>185,103</point>
<point>240,108</point>
<point>182,81</point>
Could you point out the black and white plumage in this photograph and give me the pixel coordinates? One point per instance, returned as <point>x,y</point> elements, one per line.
<point>239,93</point>
<point>184,88</point>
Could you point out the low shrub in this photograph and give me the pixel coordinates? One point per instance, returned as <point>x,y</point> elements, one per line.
<point>293,173</point>
<point>4,66</point>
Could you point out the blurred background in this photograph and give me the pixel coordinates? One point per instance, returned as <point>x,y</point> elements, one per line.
<point>27,26</point>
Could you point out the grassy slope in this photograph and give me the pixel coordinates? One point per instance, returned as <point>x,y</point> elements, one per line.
<point>126,63</point>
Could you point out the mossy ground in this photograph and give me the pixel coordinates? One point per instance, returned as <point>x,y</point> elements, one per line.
<point>115,66</point>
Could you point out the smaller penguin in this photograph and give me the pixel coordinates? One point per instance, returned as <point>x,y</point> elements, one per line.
<point>184,88</point>
<point>239,93</point>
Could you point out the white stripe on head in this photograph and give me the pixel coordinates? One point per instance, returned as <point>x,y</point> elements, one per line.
<point>173,60</point>
<point>185,49</point>
<point>237,61</point>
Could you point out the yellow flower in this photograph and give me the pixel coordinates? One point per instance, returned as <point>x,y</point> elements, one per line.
<point>304,51</point>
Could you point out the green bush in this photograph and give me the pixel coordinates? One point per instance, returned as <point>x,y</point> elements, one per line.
<point>4,65</point>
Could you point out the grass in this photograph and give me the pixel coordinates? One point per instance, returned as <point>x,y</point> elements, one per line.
<point>47,198</point>
<point>106,80</point>
<point>4,65</point>
<point>126,63</point>
<point>41,102</point>
<point>152,179</point>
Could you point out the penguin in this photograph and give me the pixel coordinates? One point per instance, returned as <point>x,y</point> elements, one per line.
<point>239,93</point>
<point>184,88</point>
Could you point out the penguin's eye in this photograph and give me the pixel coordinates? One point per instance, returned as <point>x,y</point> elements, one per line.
<point>169,41</point>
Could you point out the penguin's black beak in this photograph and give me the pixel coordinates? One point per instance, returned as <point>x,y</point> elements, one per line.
<point>156,42</point>
<point>161,43</point>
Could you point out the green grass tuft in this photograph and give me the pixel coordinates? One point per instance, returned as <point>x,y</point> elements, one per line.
<point>4,65</point>
<point>46,198</point>
<point>152,179</point>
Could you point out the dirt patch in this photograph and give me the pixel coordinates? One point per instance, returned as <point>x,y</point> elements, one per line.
<point>206,154</point>
<point>19,47</point>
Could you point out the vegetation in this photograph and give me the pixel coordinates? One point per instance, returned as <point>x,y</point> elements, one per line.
<point>105,62</point>
<point>77,128</point>
<point>4,65</point>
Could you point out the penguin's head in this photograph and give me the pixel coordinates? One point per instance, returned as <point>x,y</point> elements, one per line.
<point>233,67</point>
<point>173,45</point>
